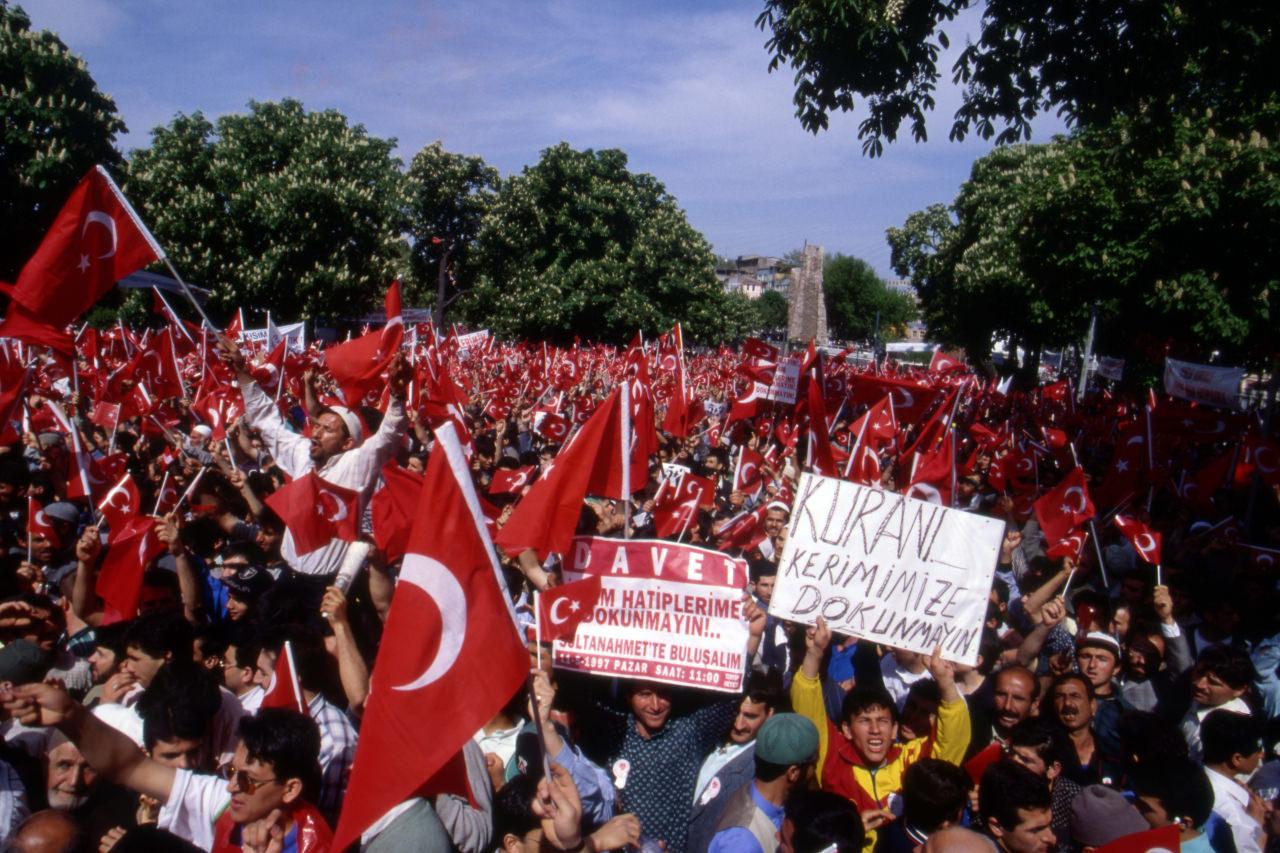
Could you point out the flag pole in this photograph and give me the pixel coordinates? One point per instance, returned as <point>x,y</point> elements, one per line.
<point>626,460</point>
<point>160,496</point>
<point>537,627</point>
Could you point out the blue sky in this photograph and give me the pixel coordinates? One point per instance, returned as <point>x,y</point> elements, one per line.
<point>683,88</point>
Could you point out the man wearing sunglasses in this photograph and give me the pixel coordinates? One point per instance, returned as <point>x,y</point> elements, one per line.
<point>265,792</point>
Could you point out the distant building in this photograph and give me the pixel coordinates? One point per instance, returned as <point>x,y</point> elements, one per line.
<point>903,286</point>
<point>755,275</point>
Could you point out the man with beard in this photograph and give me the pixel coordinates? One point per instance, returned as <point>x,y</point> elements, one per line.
<point>1154,660</point>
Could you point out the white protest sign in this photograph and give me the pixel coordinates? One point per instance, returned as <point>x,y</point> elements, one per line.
<point>667,612</point>
<point>472,340</point>
<point>786,380</point>
<point>294,333</point>
<point>887,568</point>
<point>674,472</point>
<point>1111,368</point>
<point>1212,386</point>
<point>714,409</point>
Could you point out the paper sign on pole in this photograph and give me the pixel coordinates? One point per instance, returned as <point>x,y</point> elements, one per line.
<point>887,568</point>
<point>1111,368</point>
<point>786,380</point>
<point>472,340</point>
<point>667,612</point>
<point>294,333</point>
<point>1200,383</point>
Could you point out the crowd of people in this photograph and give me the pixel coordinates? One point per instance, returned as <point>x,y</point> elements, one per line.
<point>155,607</point>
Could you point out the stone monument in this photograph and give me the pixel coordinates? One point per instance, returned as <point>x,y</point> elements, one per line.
<point>807,308</point>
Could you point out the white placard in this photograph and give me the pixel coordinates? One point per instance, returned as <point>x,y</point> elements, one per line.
<point>887,568</point>
<point>1212,386</point>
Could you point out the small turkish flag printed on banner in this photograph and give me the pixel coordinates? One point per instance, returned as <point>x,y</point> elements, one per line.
<point>450,633</point>
<point>509,481</point>
<point>561,609</point>
<point>283,690</point>
<point>1162,840</point>
<point>316,512</point>
<point>96,240</point>
<point>1143,539</point>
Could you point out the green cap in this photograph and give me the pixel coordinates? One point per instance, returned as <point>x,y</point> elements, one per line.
<point>787,739</point>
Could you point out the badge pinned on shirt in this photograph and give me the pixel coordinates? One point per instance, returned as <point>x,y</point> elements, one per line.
<point>709,793</point>
<point>621,770</point>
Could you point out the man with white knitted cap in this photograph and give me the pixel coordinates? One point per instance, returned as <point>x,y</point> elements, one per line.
<point>338,450</point>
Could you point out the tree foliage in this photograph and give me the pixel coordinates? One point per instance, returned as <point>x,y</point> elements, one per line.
<point>1093,62</point>
<point>281,209</point>
<point>1175,246</point>
<point>54,126</point>
<point>771,311</point>
<point>854,294</point>
<point>578,245</point>
<point>447,195</point>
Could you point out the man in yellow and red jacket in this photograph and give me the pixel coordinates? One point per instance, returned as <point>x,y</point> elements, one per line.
<point>862,758</point>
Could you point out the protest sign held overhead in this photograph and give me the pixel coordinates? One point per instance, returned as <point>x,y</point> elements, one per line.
<point>666,612</point>
<point>887,568</point>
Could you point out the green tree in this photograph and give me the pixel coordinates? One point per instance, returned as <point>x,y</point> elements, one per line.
<point>280,209</point>
<point>448,195</point>
<point>55,125</point>
<point>771,308</point>
<point>1091,62</point>
<point>577,244</point>
<point>854,294</point>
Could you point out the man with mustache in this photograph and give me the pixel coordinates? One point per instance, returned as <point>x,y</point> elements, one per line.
<point>1009,700</point>
<point>1073,705</point>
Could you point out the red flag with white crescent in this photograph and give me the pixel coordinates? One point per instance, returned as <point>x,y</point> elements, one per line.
<point>1143,539</point>
<point>450,633</point>
<point>316,512</point>
<point>561,609</point>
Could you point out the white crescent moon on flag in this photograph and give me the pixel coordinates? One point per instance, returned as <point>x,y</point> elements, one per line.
<point>435,579</point>
<point>749,470</point>
<point>908,400</point>
<point>105,221</point>
<point>110,499</point>
<point>554,618</point>
<point>1145,543</point>
<point>339,510</point>
<point>41,521</point>
<point>1077,490</point>
<point>1265,467</point>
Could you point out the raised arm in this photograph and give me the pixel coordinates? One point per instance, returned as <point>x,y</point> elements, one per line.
<point>290,450</point>
<point>109,752</point>
<point>170,533</point>
<point>84,601</point>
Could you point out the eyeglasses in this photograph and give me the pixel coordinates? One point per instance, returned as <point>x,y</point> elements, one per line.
<point>242,779</point>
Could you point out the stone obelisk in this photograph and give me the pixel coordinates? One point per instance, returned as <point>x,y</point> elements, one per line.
<point>807,310</point>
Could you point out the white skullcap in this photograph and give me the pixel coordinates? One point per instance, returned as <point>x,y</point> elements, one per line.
<point>349,418</point>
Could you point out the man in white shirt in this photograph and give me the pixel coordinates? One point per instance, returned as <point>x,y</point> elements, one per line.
<point>1233,750</point>
<point>337,450</point>
<point>1219,680</point>
<point>272,775</point>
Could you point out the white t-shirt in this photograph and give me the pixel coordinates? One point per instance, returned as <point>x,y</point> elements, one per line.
<point>195,803</point>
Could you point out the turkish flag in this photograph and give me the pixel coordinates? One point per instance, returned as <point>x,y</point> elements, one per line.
<point>1161,840</point>
<point>748,476</point>
<point>357,365</point>
<point>22,325</point>
<point>95,241</point>
<point>552,427</point>
<point>13,386</point>
<point>820,456</point>
<point>753,348</point>
<point>122,502</point>
<point>392,507</point>
<point>38,525</point>
<point>119,582</point>
<point>509,481</point>
<point>105,415</point>
<point>676,506</point>
<point>1065,507</point>
<point>547,515</point>
<point>450,633</point>
<point>316,512</point>
<point>933,474</point>
<point>745,530</point>
<point>1144,540</point>
<point>283,690</point>
<point>975,766</point>
<point>1071,546</point>
<point>562,608</point>
<point>944,363</point>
